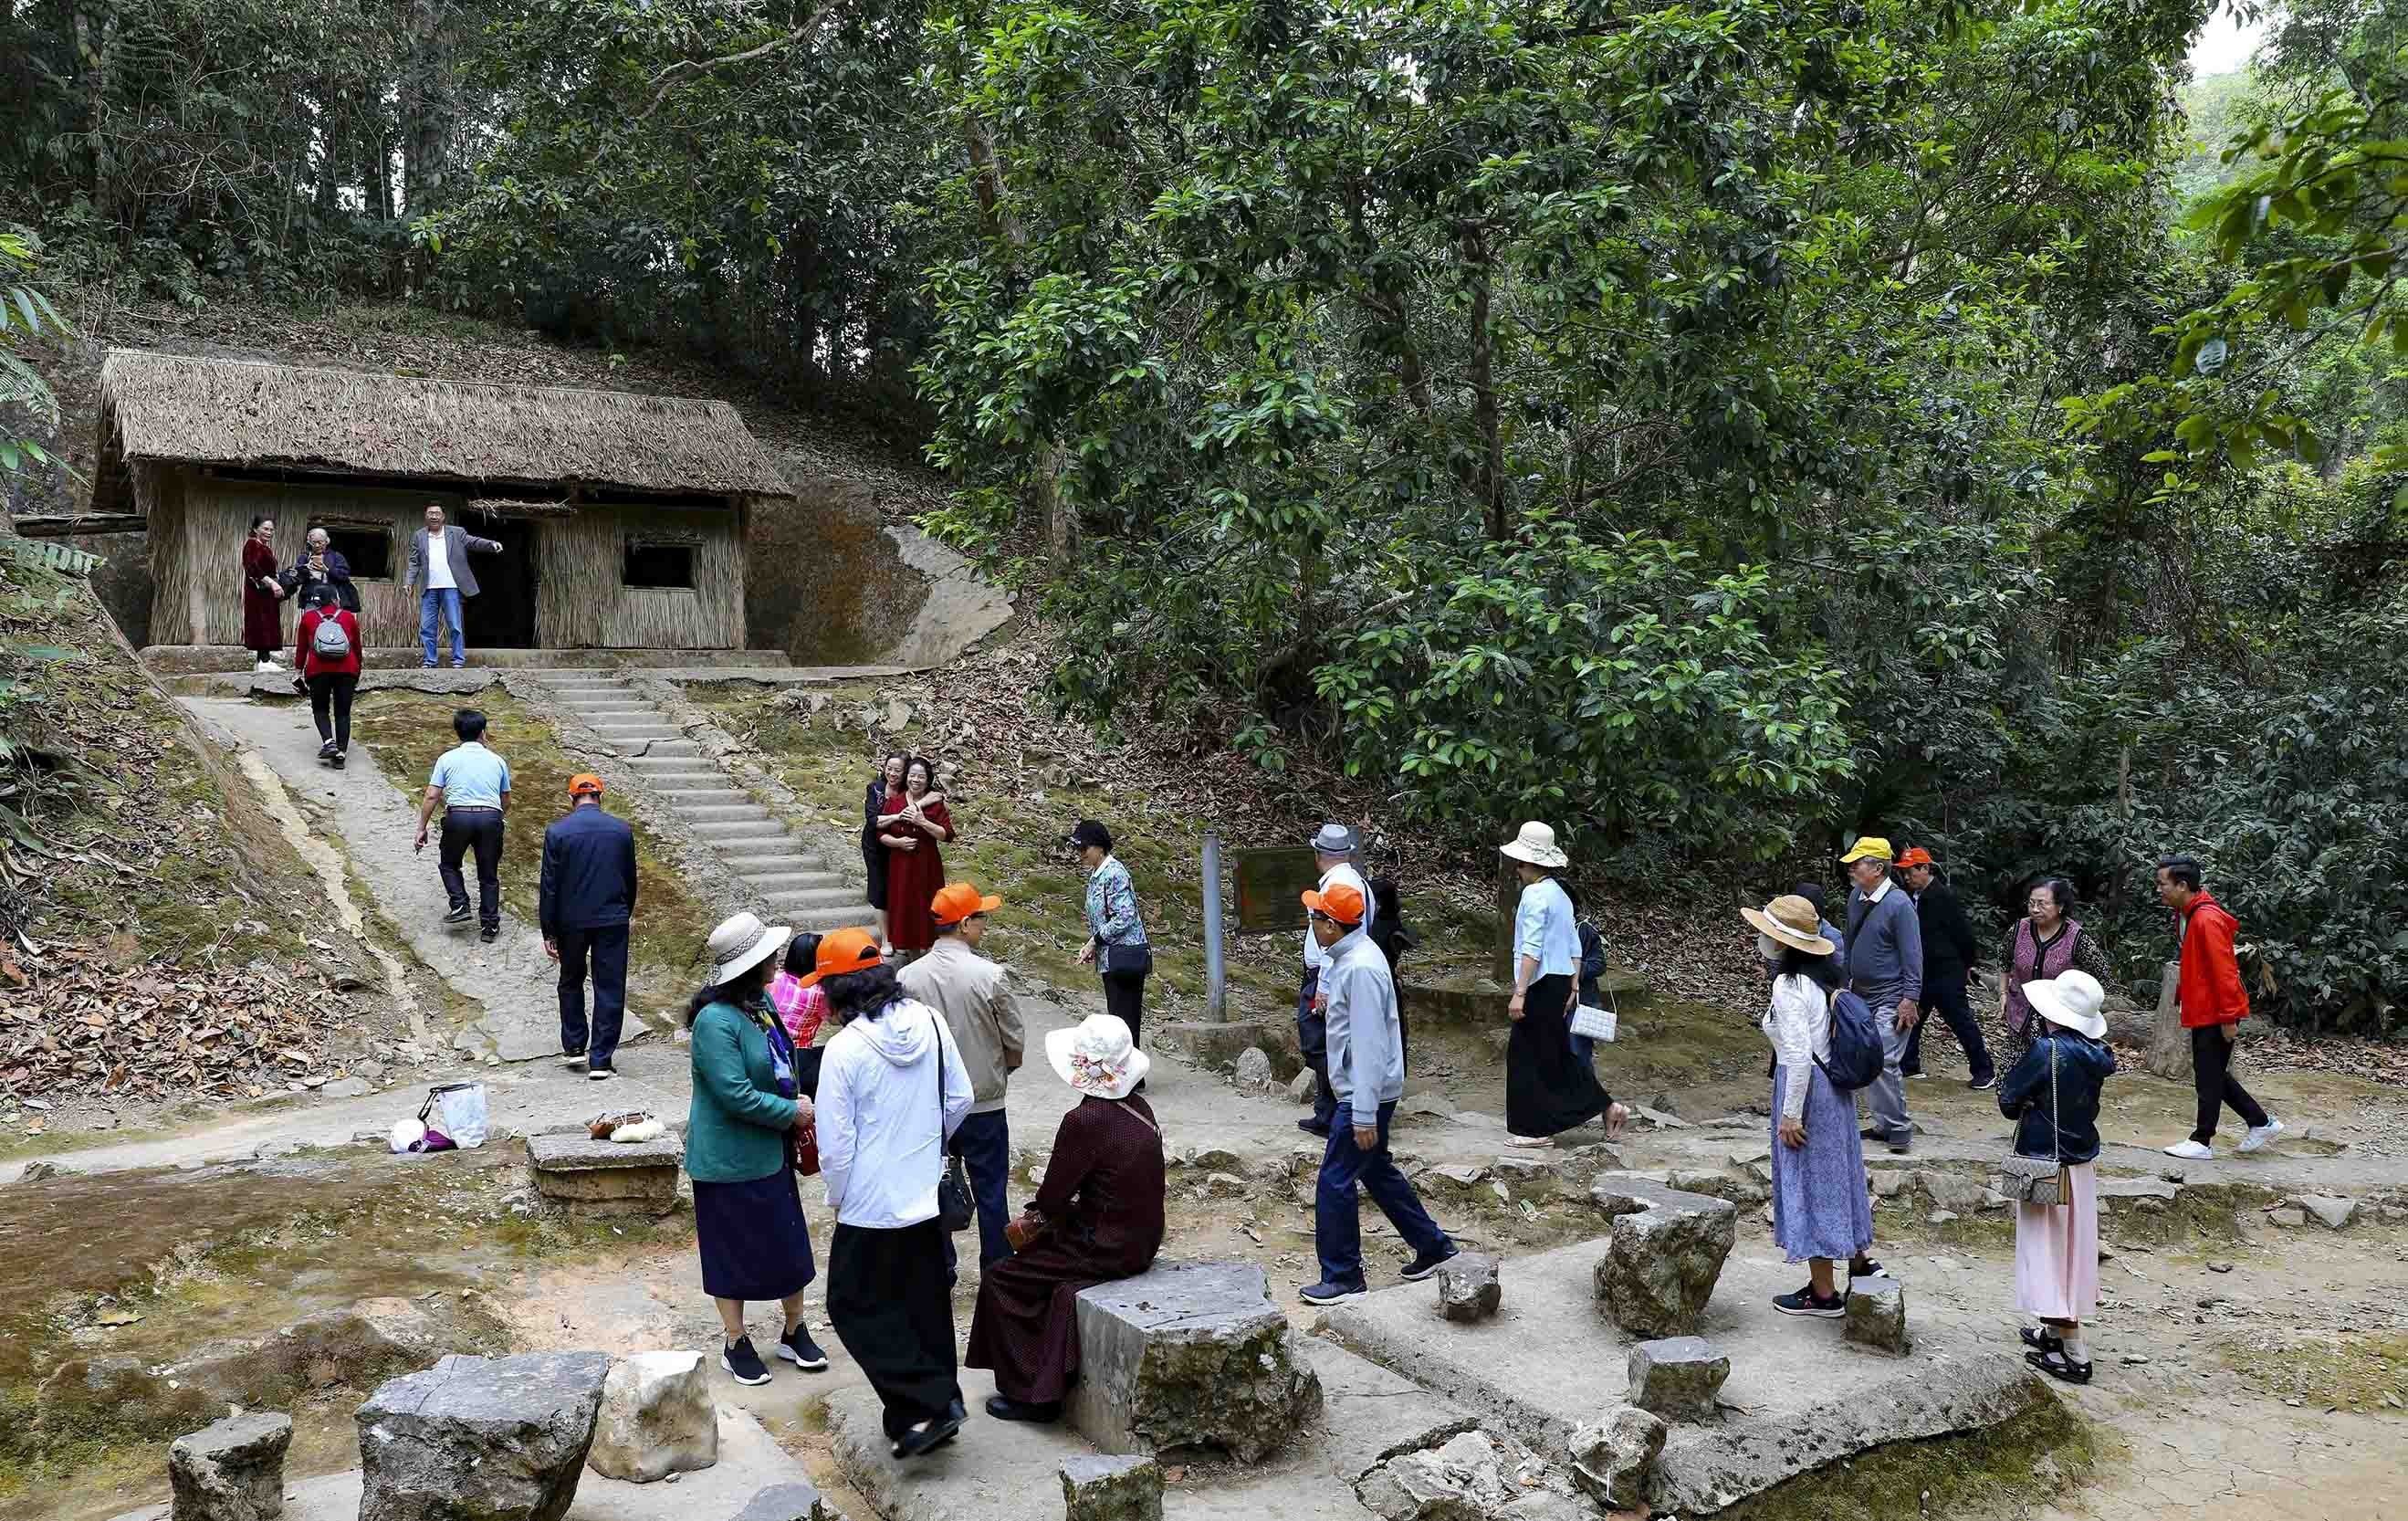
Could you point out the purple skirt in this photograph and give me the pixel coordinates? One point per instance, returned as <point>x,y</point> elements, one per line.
<point>1821,1207</point>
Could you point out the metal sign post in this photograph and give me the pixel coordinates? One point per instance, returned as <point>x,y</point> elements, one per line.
<point>1216,987</point>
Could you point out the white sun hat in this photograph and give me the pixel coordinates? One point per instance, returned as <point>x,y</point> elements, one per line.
<point>741,942</point>
<point>2075,1000</point>
<point>1097,1056</point>
<point>1537,845</point>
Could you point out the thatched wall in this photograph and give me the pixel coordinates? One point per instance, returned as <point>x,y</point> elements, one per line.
<point>173,408</point>
<point>198,523</point>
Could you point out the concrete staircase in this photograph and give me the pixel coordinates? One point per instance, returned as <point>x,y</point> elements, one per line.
<point>792,884</point>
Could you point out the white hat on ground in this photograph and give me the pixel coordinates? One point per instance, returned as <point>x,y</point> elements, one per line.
<point>2075,1000</point>
<point>1537,845</point>
<point>1097,1056</point>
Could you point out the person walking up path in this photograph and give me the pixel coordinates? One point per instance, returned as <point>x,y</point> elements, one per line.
<point>326,653</point>
<point>1334,851</point>
<point>968,991</point>
<point>1367,1072</point>
<point>438,570</point>
<point>1546,1090</point>
<point>472,785</point>
<point>1950,953</point>
<point>1884,944</point>
<point>584,905</point>
<point>2213,1002</point>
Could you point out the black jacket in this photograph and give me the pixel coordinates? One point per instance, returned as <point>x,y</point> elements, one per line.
<point>2082,1070</point>
<point>1949,949</point>
<point>298,577</point>
<point>589,872</point>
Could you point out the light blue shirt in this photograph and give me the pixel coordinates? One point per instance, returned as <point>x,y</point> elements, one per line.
<point>1367,1057</point>
<point>471,776</point>
<point>1543,929</point>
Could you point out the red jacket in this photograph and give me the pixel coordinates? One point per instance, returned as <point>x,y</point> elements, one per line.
<point>2209,991</point>
<point>306,659</point>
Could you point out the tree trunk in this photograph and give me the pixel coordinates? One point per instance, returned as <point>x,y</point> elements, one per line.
<point>1483,386</point>
<point>426,107</point>
<point>2169,1042</point>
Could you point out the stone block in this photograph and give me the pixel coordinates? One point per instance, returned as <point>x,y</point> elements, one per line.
<point>1468,1290</point>
<point>1188,1355</point>
<point>1218,1044</point>
<point>1613,1458</point>
<point>1677,1377</point>
<point>585,1177</point>
<point>1462,1480</point>
<point>1111,1489</point>
<point>656,1418</point>
<point>480,1439</point>
<point>2290,1217</point>
<point>795,1502</point>
<point>1299,1088</point>
<point>1948,1191</point>
<point>1665,1252</point>
<point>1877,1315</point>
<point>232,1470</point>
<point>1253,1070</point>
<point>2331,1213</point>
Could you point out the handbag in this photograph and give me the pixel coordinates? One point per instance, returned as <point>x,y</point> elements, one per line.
<point>954,1207</point>
<point>1125,959</point>
<point>2042,1180</point>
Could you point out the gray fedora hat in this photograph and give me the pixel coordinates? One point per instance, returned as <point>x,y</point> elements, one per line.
<point>1336,839</point>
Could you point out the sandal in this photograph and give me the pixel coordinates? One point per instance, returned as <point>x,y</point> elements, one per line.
<point>1534,1143</point>
<point>2058,1366</point>
<point>2042,1339</point>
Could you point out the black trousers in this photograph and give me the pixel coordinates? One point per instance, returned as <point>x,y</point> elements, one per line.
<point>1946,996</point>
<point>1124,1000</point>
<point>2211,1068</point>
<point>890,1303</point>
<point>1312,1038</point>
<point>606,949</point>
<point>478,829</point>
<point>333,690</point>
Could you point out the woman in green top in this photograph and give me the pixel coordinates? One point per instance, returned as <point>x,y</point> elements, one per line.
<point>740,1135</point>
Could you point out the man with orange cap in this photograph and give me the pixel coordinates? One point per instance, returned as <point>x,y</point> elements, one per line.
<point>969,993</point>
<point>585,903</point>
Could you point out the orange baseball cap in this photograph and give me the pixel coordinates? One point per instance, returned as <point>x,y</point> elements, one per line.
<point>958,900</point>
<point>846,951</point>
<point>585,784</point>
<point>1916,855</point>
<point>1342,902</point>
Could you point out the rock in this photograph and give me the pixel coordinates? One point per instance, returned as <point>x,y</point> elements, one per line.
<point>368,1071</point>
<point>656,1418</point>
<point>587,1178</point>
<point>1463,1480</point>
<point>1468,1290</point>
<point>2137,1188</point>
<point>359,1345</point>
<point>2293,1218</point>
<point>1949,1191</point>
<point>1299,1088</point>
<point>1218,1159</point>
<point>120,1393</point>
<point>233,1471</point>
<point>1218,1044</point>
<point>1612,1458</point>
<point>1941,1217</point>
<point>1665,1252</point>
<point>36,1171</point>
<point>1889,1183</point>
<point>1877,1315</point>
<point>480,1439</point>
<point>1111,1489</point>
<point>1662,1119</point>
<point>1255,1070</point>
<point>1188,1355</point>
<point>794,1501</point>
<point>1223,1185</point>
<point>348,1087</point>
<point>1677,1377</point>
<point>2330,1212</point>
<point>1456,1182</point>
<point>1435,1105</point>
<point>1723,1185</point>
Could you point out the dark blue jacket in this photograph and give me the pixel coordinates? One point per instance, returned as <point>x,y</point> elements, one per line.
<point>589,872</point>
<point>2082,1069</point>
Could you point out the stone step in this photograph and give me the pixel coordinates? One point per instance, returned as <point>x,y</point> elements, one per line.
<point>699,793</point>
<point>663,781</point>
<point>798,879</point>
<point>784,861</point>
<point>684,750</point>
<point>821,921</point>
<point>723,812</point>
<point>638,728</point>
<point>590,689</point>
<point>839,897</point>
<point>649,764</point>
<point>763,832</point>
<point>617,713</point>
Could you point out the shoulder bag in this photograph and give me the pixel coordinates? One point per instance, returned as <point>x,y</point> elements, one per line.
<point>2043,1180</point>
<point>954,1206</point>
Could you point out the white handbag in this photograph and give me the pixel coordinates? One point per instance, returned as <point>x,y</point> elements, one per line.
<point>1596,1024</point>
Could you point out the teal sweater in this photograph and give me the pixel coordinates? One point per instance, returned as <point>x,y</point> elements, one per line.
<point>737,1129</point>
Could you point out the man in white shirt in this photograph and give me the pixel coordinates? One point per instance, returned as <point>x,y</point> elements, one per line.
<point>1334,849</point>
<point>439,569</point>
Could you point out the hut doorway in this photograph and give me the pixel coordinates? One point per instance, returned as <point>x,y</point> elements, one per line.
<point>502,615</point>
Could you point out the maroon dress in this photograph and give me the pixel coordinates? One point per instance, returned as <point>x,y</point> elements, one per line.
<point>1103,1194</point>
<point>912,877</point>
<point>262,615</point>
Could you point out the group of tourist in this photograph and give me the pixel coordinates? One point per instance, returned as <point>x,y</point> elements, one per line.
<point>439,574</point>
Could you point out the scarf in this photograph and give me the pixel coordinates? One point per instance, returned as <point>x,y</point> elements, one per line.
<point>2029,963</point>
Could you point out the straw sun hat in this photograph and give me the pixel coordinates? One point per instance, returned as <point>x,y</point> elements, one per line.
<point>742,942</point>
<point>1536,844</point>
<point>1790,920</point>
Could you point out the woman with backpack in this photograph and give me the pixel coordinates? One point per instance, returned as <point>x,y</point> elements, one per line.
<point>326,653</point>
<point>1821,1212</point>
<point>2052,1094</point>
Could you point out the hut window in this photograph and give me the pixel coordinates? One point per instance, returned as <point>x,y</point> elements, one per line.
<point>650,563</point>
<point>369,550</point>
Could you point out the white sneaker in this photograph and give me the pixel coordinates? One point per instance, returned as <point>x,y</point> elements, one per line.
<point>2259,1135</point>
<point>267,666</point>
<point>2190,1151</point>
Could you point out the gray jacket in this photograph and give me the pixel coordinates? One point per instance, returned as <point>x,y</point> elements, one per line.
<point>1366,1057</point>
<point>458,543</point>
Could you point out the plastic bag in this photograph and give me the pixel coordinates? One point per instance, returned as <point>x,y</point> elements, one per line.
<point>457,1110</point>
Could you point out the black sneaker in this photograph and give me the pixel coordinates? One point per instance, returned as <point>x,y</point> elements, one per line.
<point>1312,1127</point>
<point>488,936</point>
<point>797,1347</point>
<point>338,762</point>
<point>742,1363</point>
<point>1983,1084</point>
<point>460,913</point>
<point>1869,1270</point>
<point>1330,1294</point>
<point>1033,1411</point>
<point>1901,1144</point>
<point>1426,1263</point>
<point>328,752</point>
<point>1807,1302</point>
<point>603,1073</point>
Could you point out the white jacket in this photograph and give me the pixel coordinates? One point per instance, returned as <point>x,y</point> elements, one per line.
<point>882,1125</point>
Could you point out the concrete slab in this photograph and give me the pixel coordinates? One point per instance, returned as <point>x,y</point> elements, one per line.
<point>1370,1414</point>
<point>1798,1396</point>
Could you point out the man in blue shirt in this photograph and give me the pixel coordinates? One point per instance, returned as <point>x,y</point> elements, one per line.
<point>472,785</point>
<point>584,904</point>
<point>1885,941</point>
<point>1367,1073</point>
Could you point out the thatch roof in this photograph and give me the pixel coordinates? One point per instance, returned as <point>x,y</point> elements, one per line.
<point>216,411</point>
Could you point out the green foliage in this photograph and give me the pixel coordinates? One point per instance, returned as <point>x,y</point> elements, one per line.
<point>25,314</point>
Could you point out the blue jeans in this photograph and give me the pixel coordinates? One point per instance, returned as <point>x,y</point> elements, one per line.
<point>446,601</point>
<point>985,1143</point>
<point>1337,1225</point>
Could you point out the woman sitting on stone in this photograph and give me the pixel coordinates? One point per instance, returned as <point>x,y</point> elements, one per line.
<point>1098,1217</point>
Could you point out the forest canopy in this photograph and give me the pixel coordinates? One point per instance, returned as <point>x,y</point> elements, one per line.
<point>1720,429</point>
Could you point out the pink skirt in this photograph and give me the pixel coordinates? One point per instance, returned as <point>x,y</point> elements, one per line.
<point>2056,1252</point>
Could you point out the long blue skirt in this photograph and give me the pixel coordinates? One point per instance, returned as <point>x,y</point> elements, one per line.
<point>1820,1205</point>
<point>754,1243</point>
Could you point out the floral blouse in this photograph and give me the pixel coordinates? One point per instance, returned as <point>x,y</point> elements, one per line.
<point>1112,906</point>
